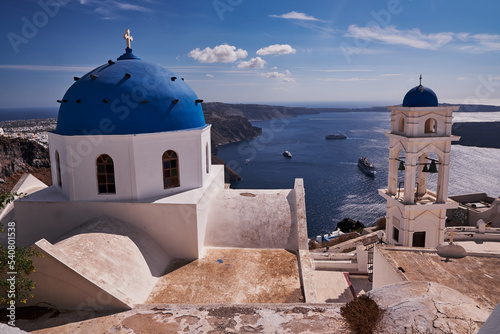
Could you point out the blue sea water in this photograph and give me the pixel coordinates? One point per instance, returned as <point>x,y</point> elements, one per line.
<point>335,187</point>
<point>9,114</point>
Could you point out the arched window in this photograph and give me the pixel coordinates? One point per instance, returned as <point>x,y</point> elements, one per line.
<point>105,175</point>
<point>401,124</point>
<point>58,170</point>
<point>430,126</point>
<point>207,153</point>
<point>170,170</point>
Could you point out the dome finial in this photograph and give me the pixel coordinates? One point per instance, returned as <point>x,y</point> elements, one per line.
<point>420,79</point>
<point>128,37</point>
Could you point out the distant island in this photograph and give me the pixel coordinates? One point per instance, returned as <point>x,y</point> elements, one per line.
<point>480,134</point>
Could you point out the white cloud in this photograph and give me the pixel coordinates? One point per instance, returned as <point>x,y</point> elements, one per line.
<point>220,54</point>
<point>127,6</point>
<point>480,43</point>
<point>254,63</point>
<point>210,75</point>
<point>296,16</point>
<point>279,49</point>
<point>488,41</point>
<point>110,10</point>
<point>391,35</point>
<point>285,76</point>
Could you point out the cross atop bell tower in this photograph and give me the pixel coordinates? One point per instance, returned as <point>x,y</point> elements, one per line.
<point>419,146</point>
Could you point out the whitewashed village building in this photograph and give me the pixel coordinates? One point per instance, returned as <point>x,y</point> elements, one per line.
<point>134,188</point>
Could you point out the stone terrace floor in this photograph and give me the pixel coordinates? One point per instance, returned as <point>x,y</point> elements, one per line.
<point>232,276</point>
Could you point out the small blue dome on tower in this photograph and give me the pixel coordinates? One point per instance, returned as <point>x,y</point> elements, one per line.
<point>420,96</point>
<point>128,96</point>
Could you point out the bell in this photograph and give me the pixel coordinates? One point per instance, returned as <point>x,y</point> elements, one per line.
<point>433,167</point>
<point>425,169</point>
<point>401,165</point>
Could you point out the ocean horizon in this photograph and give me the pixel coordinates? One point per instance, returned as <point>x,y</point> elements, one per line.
<point>13,114</point>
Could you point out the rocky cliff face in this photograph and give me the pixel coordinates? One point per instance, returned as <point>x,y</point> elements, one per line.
<point>256,112</point>
<point>19,156</point>
<point>480,134</point>
<point>230,129</point>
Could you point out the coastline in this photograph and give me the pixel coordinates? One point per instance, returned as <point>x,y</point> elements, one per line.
<point>479,134</point>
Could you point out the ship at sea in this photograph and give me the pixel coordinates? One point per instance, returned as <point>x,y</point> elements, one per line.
<point>336,136</point>
<point>366,167</point>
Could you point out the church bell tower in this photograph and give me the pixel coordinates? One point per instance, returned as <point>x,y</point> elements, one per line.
<point>419,146</point>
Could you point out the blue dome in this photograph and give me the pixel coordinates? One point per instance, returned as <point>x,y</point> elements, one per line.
<point>129,96</point>
<point>420,96</point>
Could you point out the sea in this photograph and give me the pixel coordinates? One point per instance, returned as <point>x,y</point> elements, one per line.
<point>334,186</point>
<point>10,114</point>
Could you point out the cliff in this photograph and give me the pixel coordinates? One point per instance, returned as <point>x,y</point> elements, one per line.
<point>19,156</point>
<point>230,129</point>
<point>480,134</point>
<point>258,112</point>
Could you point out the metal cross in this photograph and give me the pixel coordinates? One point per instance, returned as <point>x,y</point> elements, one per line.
<point>128,37</point>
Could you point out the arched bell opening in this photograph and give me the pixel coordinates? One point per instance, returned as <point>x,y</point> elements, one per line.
<point>427,178</point>
<point>399,164</point>
<point>430,126</point>
<point>401,125</point>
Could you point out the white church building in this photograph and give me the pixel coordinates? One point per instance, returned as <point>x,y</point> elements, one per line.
<point>134,187</point>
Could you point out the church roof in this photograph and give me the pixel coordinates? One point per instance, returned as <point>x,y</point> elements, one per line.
<point>128,96</point>
<point>420,96</point>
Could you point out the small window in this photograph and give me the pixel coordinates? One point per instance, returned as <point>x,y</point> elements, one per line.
<point>207,153</point>
<point>105,175</point>
<point>401,124</point>
<point>58,170</point>
<point>170,170</point>
<point>430,125</point>
<point>395,234</point>
<point>419,239</point>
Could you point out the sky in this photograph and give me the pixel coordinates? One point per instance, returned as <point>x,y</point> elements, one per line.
<point>296,53</point>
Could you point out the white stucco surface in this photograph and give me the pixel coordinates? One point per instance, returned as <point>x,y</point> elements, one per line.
<point>137,163</point>
<point>384,272</point>
<point>249,219</point>
<point>175,222</point>
<point>116,256</point>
